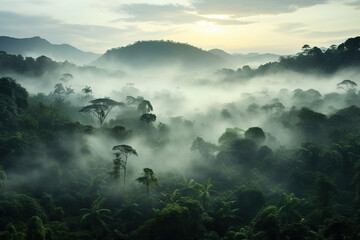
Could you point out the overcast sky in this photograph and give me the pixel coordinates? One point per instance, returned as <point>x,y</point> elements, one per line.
<point>276,26</point>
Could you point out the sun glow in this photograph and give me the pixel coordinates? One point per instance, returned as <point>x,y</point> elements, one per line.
<point>222,17</point>
<point>208,26</point>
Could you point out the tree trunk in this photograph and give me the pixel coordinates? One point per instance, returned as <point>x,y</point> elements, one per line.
<point>125,170</point>
<point>148,190</point>
<point>124,175</point>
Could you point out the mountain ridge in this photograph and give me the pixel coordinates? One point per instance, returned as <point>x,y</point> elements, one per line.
<point>152,53</point>
<point>37,46</point>
<point>240,59</point>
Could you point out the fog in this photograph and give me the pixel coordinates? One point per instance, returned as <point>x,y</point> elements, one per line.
<point>176,136</point>
<point>192,103</point>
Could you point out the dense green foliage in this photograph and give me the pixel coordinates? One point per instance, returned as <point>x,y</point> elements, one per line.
<point>157,53</point>
<point>62,178</point>
<point>10,64</point>
<point>309,60</point>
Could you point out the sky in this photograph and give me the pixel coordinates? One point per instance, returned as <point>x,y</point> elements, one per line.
<point>236,26</point>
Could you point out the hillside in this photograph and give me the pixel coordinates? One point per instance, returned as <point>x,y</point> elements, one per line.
<point>251,59</point>
<point>309,60</point>
<point>159,54</point>
<point>37,46</point>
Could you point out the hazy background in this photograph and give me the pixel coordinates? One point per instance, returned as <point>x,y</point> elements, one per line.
<point>237,26</point>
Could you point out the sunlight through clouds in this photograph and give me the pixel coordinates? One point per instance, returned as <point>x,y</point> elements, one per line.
<point>208,26</point>
<point>122,22</point>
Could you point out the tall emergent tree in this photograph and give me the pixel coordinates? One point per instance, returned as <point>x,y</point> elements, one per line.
<point>66,77</point>
<point>125,151</point>
<point>118,165</point>
<point>148,178</point>
<point>347,85</point>
<point>100,108</point>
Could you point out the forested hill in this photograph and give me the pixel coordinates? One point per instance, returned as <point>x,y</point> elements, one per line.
<point>154,54</point>
<point>37,46</point>
<point>37,67</point>
<point>160,53</point>
<point>332,59</point>
<point>309,60</point>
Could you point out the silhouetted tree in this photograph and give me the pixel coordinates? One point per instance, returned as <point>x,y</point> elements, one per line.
<point>126,151</point>
<point>347,85</point>
<point>256,134</point>
<point>305,49</point>
<point>352,44</point>
<point>66,77</point>
<point>59,89</point>
<point>145,106</point>
<point>274,107</point>
<point>100,108</point>
<point>87,90</point>
<point>148,118</point>
<point>230,134</point>
<point>148,178</point>
<point>118,165</point>
<point>69,90</point>
<point>206,149</point>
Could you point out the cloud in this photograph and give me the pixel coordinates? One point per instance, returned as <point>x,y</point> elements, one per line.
<point>291,27</point>
<point>86,36</point>
<point>243,8</point>
<point>228,21</point>
<point>342,33</point>
<point>8,19</point>
<point>355,4</point>
<point>170,14</point>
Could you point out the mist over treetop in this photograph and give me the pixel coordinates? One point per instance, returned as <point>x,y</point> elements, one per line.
<point>157,151</point>
<point>312,60</point>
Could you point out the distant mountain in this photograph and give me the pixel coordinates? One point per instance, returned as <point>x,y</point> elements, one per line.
<point>36,46</point>
<point>239,60</point>
<point>221,53</point>
<point>159,54</point>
